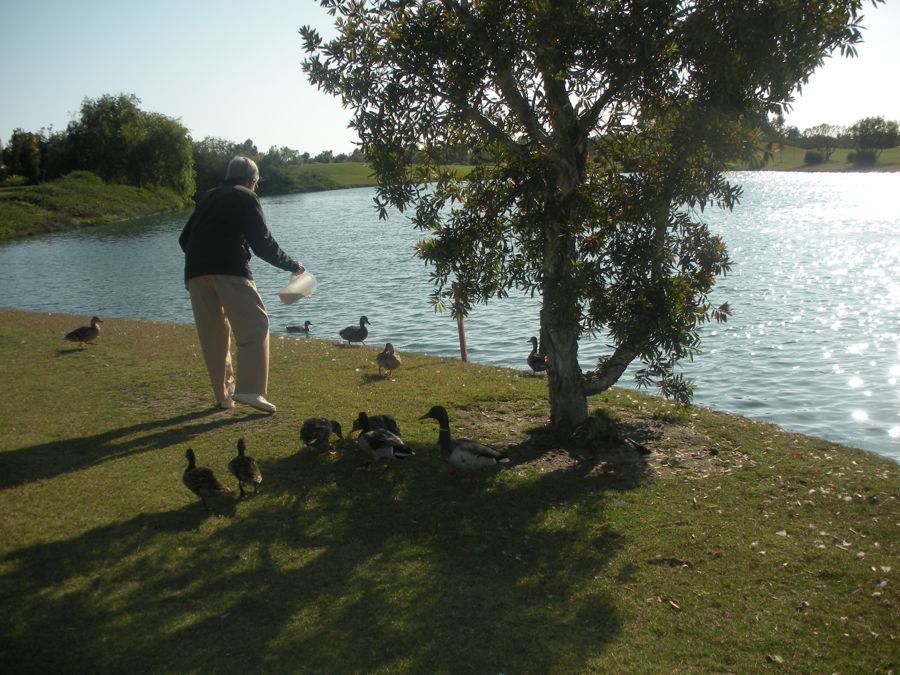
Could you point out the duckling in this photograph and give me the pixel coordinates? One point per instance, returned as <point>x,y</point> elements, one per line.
<point>201,481</point>
<point>356,333</point>
<point>387,422</point>
<point>380,443</point>
<point>462,453</point>
<point>300,329</point>
<point>316,432</point>
<point>85,334</point>
<point>245,469</point>
<point>536,361</point>
<point>389,359</point>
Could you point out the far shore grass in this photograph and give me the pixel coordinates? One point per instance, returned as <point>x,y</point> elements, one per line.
<point>75,202</point>
<point>733,547</point>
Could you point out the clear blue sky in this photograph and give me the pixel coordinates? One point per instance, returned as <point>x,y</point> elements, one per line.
<point>232,69</point>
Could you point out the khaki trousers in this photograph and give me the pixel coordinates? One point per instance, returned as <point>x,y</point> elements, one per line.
<point>225,304</point>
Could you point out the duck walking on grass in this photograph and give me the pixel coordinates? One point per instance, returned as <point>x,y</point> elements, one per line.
<point>86,334</point>
<point>380,443</point>
<point>300,329</point>
<point>245,469</point>
<point>356,333</point>
<point>316,432</point>
<point>462,453</point>
<point>202,481</point>
<point>389,359</point>
<point>536,361</point>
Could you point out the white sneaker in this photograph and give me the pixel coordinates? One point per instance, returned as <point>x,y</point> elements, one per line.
<point>255,401</point>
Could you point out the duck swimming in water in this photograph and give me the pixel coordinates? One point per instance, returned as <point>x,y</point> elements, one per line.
<point>300,329</point>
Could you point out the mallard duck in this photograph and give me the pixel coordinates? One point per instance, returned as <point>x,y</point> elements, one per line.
<point>86,334</point>
<point>201,481</point>
<point>536,361</point>
<point>389,359</point>
<point>387,422</point>
<point>316,432</point>
<point>300,329</point>
<point>598,429</point>
<point>356,333</point>
<point>245,469</point>
<point>380,443</point>
<point>462,453</point>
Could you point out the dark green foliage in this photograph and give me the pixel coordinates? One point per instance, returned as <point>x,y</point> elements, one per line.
<point>863,157</point>
<point>813,157</point>
<point>875,134</point>
<point>119,142</point>
<point>22,155</point>
<point>554,98</point>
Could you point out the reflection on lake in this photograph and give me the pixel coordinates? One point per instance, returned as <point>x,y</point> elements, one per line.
<point>814,343</point>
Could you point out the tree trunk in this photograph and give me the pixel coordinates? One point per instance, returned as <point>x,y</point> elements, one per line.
<point>560,321</point>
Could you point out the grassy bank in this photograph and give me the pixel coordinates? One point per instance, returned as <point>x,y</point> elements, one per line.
<point>77,200</point>
<point>734,547</point>
<point>791,158</point>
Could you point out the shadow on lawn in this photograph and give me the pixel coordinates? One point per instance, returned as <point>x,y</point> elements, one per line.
<point>47,460</point>
<point>331,569</point>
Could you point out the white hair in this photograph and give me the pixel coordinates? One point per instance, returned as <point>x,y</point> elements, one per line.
<point>242,170</point>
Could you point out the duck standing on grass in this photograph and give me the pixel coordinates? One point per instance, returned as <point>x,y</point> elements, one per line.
<point>387,422</point>
<point>536,361</point>
<point>316,432</point>
<point>300,329</point>
<point>389,359</point>
<point>201,481</point>
<point>356,333</point>
<point>380,443</point>
<point>86,334</point>
<point>245,469</point>
<point>462,453</point>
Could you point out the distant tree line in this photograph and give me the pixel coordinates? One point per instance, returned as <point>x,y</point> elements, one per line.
<point>116,140</point>
<point>867,138</point>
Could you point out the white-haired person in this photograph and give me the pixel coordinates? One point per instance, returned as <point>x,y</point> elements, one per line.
<point>227,224</point>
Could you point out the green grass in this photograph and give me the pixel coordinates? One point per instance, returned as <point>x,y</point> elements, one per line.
<point>739,548</point>
<point>78,199</point>
<point>791,158</point>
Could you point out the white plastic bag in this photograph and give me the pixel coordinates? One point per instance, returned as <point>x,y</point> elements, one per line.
<point>300,286</point>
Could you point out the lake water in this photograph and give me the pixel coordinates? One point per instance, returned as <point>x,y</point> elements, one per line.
<point>814,343</point>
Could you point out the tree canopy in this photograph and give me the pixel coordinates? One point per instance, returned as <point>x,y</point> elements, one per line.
<point>605,128</point>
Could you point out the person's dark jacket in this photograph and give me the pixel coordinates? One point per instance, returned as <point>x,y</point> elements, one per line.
<point>227,224</point>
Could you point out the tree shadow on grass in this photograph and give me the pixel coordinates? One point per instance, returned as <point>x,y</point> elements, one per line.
<point>331,569</point>
<point>47,460</point>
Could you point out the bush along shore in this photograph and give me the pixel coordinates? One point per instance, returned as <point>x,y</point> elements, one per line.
<point>733,546</point>
<point>78,200</point>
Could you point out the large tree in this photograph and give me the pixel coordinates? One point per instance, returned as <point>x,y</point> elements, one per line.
<point>607,128</point>
<point>121,143</point>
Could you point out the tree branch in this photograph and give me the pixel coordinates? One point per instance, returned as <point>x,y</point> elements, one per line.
<point>603,378</point>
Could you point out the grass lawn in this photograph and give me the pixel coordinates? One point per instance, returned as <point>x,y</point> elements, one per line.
<point>733,547</point>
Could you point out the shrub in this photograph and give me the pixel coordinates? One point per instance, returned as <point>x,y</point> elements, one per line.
<point>864,157</point>
<point>813,157</point>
